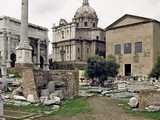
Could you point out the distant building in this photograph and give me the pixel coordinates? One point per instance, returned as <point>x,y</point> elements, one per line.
<point>135,41</point>
<point>74,42</point>
<point>10,38</point>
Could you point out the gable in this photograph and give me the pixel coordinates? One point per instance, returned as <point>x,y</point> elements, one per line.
<point>128,20</point>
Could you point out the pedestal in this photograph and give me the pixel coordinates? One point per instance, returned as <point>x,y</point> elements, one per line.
<point>24,55</point>
<point>29,84</point>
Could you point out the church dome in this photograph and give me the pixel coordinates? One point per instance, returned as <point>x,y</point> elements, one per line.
<point>85,11</point>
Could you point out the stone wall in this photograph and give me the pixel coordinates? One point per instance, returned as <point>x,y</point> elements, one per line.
<point>68,77</point>
<point>132,34</point>
<point>148,97</point>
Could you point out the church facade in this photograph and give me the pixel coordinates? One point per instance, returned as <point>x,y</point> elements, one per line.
<point>10,38</point>
<point>135,41</point>
<point>76,41</point>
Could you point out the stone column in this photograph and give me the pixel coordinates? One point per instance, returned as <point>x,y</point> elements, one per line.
<point>38,53</point>
<point>1,105</point>
<point>9,50</point>
<point>24,58</point>
<point>83,51</point>
<point>24,50</point>
<point>93,48</point>
<point>4,59</point>
<point>4,56</point>
<point>47,55</point>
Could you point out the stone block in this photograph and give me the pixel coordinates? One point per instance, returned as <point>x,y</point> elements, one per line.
<point>148,98</point>
<point>44,92</point>
<point>133,102</point>
<point>122,86</point>
<point>58,93</point>
<point>51,86</point>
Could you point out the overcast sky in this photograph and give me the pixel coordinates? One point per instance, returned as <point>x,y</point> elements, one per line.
<point>48,12</point>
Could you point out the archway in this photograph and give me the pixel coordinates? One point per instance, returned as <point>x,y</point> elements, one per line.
<point>0,73</point>
<point>41,62</point>
<point>13,59</point>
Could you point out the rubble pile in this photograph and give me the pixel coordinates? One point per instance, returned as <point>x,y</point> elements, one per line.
<point>130,89</point>
<point>51,96</point>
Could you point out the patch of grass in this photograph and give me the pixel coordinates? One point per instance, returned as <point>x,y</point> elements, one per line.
<point>74,107</point>
<point>14,72</point>
<point>28,108</point>
<point>152,115</point>
<point>69,108</point>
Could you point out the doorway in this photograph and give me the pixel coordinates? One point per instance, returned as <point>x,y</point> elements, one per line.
<point>41,62</point>
<point>128,69</point>
<point>0,73</point>
<point>13,59</point>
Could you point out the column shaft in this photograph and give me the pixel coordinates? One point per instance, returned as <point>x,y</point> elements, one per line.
<point>24,23</point>
<point>47,55</point>
<point>4,56</point>
<point>9,49</point>
<point>38,53</point>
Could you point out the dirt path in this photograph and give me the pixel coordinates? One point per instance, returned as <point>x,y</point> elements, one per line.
<point>103,109</point>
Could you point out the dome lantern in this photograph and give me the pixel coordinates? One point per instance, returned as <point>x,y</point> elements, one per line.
<point>85,2</point>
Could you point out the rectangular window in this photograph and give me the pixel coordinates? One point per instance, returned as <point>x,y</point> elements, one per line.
<point>117,49</point>
<point>127,48</point>
<point>138,47</point>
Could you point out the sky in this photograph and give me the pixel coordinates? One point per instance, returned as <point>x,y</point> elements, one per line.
<point>48,12</point>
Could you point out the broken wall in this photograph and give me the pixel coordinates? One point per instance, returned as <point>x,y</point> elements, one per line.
<point>70,78</point>
<point>148,97</point>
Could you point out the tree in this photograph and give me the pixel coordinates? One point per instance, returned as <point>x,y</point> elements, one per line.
<point>100,68</point>
<point>156,69</point>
